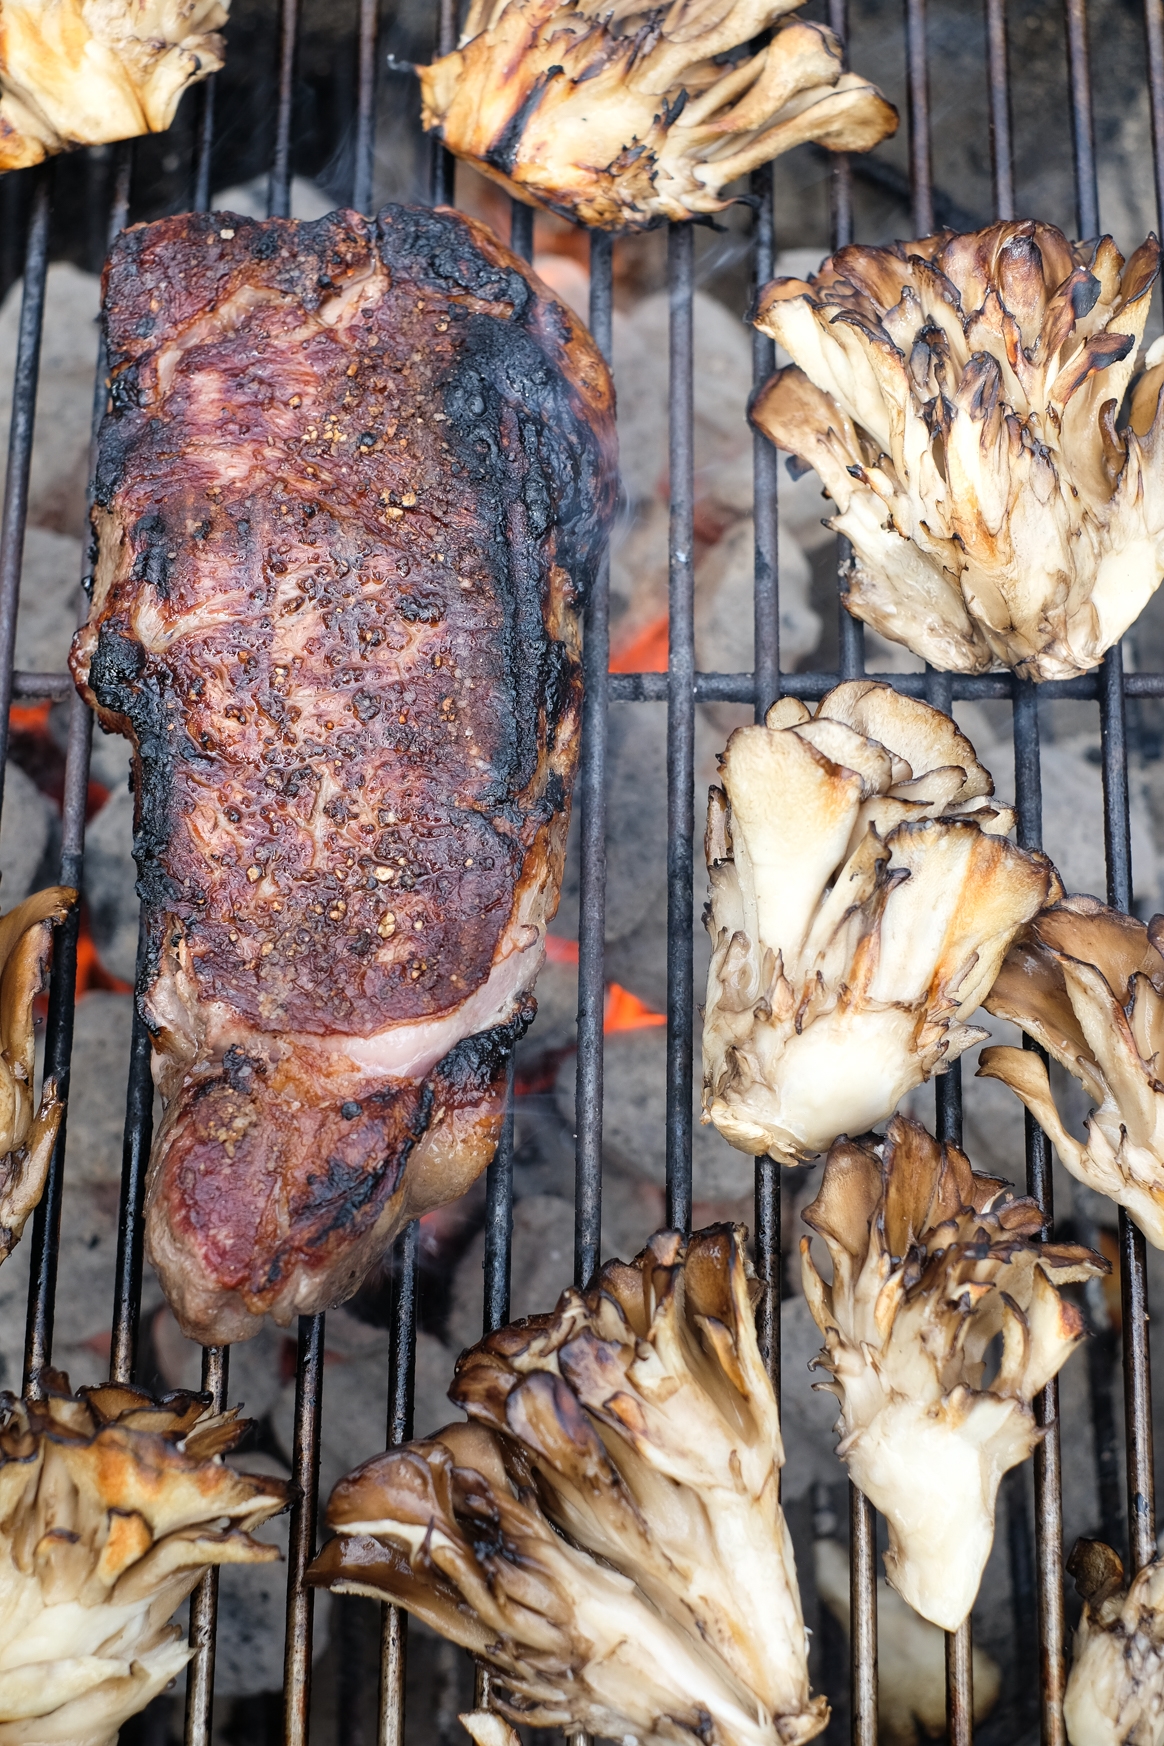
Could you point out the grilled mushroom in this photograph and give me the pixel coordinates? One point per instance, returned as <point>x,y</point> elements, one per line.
<point>930,1262</point>
<point>607,1535</point>
<point>958,397</point>
<point>863,896</point>
<point>1088,984</point>
<point>487,1728</point>
<point>112,1506</point>
<point>83,72</point>
<point>26,1139</point>
<point>1115,1692</point>
<point>622,117</point>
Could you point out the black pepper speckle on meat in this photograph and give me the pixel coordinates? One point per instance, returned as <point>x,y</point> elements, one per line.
<point>353,483</point>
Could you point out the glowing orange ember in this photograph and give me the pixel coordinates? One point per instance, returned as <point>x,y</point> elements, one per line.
<point>624,1010</point>
<point>646,653</point>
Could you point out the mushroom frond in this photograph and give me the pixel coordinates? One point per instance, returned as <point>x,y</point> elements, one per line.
<point>1115,1691</point>
<point>86,72</point>
<point>1087,983</point>
<point>606,1533</point>
<point>28,1130</point>
<point>959,398</point>
<point>624,117</point>
<point>863,895</point>
<point>942,1321</point>
<point>113,1504</point>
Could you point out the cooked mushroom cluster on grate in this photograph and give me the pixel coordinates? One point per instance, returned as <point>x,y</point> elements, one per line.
<point>863,895</point>
<point>112,1507</point>
<point>1115,1692</point>
<point>960,398</point>
<point>1087,984</point>
<point>606,1536</point>
<point>27,1131</point>
<point>85,72</point>
<point>624,116</point>
<point>930,1263</point>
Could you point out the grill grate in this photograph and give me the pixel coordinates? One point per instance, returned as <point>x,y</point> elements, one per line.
<point>681,688</point>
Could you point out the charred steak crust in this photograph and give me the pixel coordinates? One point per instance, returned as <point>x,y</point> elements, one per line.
<point>353,483</point>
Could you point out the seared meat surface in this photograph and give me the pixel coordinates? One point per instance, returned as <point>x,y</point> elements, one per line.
<point>353,482</point>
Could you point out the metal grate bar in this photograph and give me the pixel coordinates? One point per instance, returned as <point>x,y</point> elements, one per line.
<point>363,164</point>
<point>1154,35</point>
<point>521,229</point>
<point>740,687</point>
<point>204,147</point>
<point>41,685</point>
<point>921,176</point>
<point>863,1619</point>
<point>680,727</point>
<point>301,1533</point>
<point>1082,124</point>
<point>499,1222</point>
<point>62,986</point>
<point>841,181</point>
<point>204,1600</point>
<point>1047,1458</point>
<point>394,1621</point>
<point>766,688</point>
<point>20,444</point>
<point>58,1054</point>
<point>851,662</point>
<point>765,474</point>
<point>591,805</point>
<point>1133,1261</point>
<point>279,190</point>
<point>1001,139</point>
<point>948,1114</point>
<point>135,1156</point>
<point>444,166</point>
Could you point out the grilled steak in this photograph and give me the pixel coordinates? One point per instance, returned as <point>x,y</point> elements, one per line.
<point>353,482</point>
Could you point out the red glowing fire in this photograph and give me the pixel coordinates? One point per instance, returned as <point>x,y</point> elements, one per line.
<point>624,1011</point>
<point>32,746</point>
<point>645,653</point>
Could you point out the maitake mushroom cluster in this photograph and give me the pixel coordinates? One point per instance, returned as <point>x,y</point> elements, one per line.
<point>1088,984</point>
<point>863,896</point>
<point>112,1506</point>
<point>621,116</point>
<point>607,1535</point>
<point>930,1262</point>
<point>1115,1694</point>
<point>84,72</point>
<point>959,398</point>
<point>27,1134</point>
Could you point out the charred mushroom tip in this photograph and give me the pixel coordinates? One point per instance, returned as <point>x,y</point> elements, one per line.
<point>101,72</point>
<point>101,1507</point>
<point>605,1534</point>
<point>1087,984</point>
<point>620,124</point>
<point>862,898</point>
<point>487,1728</point>
<point>957,398</point>
<point>930,1262</point>
<point>27,1133</point>
<point>1116,1685</point>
